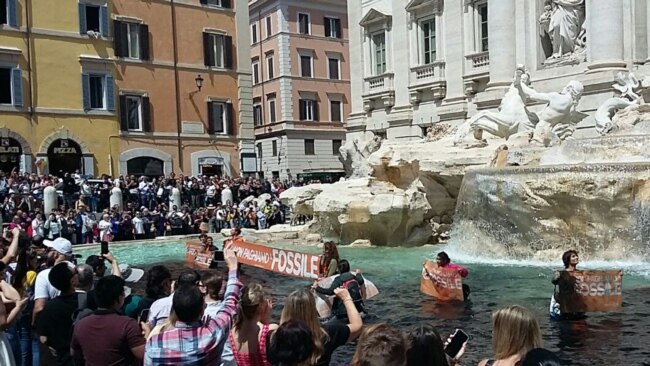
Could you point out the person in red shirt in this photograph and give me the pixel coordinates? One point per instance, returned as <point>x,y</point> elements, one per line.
<point>443,261</point>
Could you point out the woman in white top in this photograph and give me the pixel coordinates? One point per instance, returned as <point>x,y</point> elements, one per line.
<point>105,225</point>
<point>37,226</point>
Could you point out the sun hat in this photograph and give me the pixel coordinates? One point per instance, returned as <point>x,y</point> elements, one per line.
<point>130,274</point>
<point>61,245</point>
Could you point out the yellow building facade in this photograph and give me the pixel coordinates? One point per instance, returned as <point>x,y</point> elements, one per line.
<point>58,109</point>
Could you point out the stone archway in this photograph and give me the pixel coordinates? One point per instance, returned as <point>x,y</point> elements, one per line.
<point>144,151</point>
<point>87,158</point>
<point>65,134</point>
<point>213,158</point>
<point>26,153</point>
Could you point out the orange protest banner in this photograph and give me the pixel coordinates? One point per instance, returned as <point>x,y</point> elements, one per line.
<point>590,291</point>
<point>195,256</point>
<point>283,261</point>
<point>442,283</point>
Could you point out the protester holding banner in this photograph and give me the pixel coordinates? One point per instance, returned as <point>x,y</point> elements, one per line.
<point>352,282</point>
<point>443,261</point>
<point>301,305</point>
<point>329,261</point>
<point>570,260</point>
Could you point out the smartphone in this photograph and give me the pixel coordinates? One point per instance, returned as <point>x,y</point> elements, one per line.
<point>218,256</point>
<point>144,316</point>
<point>457,340</point>
<point>104,246</point>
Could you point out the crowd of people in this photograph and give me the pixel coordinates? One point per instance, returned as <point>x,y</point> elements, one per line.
<point>85,214</point>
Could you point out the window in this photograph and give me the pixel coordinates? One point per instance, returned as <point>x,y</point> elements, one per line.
<point>219,3</point>
<point>257,115</point>
<point>332,27</point>
<point>379,53</point>
<point>308,110</point>
<point>217,50</point>
<point>428,41</point>
<point>303,23</point>
<point>256,71</point>
<point>259,150</point>
<point>254,32</point>
<point>274,147</point>
<point>336,147</point>
<point>271,109</point>
<point>269,30</point>
<point>305,66</point>
<point>220,118</point>
<point>334,68</point>
<point>98,91</point>
<point>482,10</point>
<point>269,67</point>
<point>11,86</point>
<point>134,113</point>
<point>309,147</point>
<point>93,20</point>
<point>335,111</point>
<point>9,12</point>
<point>131,40</point>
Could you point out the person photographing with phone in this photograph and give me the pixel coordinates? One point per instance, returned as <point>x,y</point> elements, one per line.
<point>427,347</point>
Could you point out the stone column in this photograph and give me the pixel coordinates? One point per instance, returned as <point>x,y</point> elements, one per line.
<point>501,42</point>
<point>605,34</point>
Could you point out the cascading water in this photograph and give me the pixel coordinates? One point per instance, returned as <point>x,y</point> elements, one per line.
<point>602,210</point>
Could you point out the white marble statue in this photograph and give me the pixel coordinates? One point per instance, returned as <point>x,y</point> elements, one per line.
<point>625,87</point>
<point>510,118</point>
<point>564,22</point>
<point>559,116</point>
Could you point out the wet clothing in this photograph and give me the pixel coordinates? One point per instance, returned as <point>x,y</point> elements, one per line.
<point>354,285</point>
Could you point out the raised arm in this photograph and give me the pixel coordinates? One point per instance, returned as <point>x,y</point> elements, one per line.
<point>13,247</point>
<point>233,292</point>
<point>531,93</point>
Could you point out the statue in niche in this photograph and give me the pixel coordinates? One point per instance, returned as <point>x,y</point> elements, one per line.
<point>554,123</point>
<point>511,117</point>
<point>559,117</point>
<point>621,111</point>
<point>563,32</point>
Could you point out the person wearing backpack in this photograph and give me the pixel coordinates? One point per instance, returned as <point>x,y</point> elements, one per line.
<point>353,282</point>
<point>54,323</point>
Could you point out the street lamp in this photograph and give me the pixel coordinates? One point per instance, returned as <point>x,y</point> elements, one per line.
<point>199,81</point>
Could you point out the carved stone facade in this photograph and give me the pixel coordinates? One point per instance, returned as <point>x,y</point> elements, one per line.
<point>422,62</point>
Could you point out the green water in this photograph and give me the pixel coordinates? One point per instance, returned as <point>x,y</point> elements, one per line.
<point>603,339</point>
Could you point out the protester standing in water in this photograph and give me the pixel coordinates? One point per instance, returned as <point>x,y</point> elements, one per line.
<point>443,261</point>
<point>570,259</point>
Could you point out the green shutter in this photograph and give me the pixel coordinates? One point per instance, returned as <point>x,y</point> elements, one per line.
<point>82,18</point>
<point>103,18</point>
<point>17,87</point>
<point>85,90</point>
<point>110,93</point>
<point>12,13</point>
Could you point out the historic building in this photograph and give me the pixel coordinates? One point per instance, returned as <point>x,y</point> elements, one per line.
<point>126,87</point>
<point>58,109</point>
<point>301,86</point>
<point>425,62</point>
<point>183,87</point>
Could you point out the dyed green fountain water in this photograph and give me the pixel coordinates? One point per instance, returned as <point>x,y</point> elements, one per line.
<point>603,339</point>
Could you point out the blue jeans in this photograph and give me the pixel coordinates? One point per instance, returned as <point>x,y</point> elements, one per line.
<point>28,346</point>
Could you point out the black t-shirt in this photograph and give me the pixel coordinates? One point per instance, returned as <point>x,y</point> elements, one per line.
<point>55,323</point>
<point>338,335</point>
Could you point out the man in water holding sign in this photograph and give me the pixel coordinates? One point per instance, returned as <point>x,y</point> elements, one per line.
<point>583,291</point>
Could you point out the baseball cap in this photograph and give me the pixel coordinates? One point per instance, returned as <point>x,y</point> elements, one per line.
<point>61,245</point>
<point>130,274</point>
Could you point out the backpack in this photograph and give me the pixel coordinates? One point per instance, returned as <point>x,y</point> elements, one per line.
<point>355,292</point>
<point>82,310</point>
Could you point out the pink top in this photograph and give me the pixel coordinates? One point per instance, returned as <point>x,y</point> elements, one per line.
<point>251,359</point>
<point>461,270</point>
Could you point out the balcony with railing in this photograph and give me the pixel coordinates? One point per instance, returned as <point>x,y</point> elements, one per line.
<point>477,68</point>
<point>430,77</point>
<point>379,88</point>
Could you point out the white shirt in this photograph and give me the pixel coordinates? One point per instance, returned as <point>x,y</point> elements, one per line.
<point>43,289</point>
<point>160,310</point>
<point>138,224</point>
<point>211,191</point>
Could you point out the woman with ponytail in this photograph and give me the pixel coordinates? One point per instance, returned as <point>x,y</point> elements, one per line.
<point>246,344</point>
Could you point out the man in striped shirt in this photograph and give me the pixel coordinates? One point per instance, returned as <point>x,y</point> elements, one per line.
<point>191,341</point>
